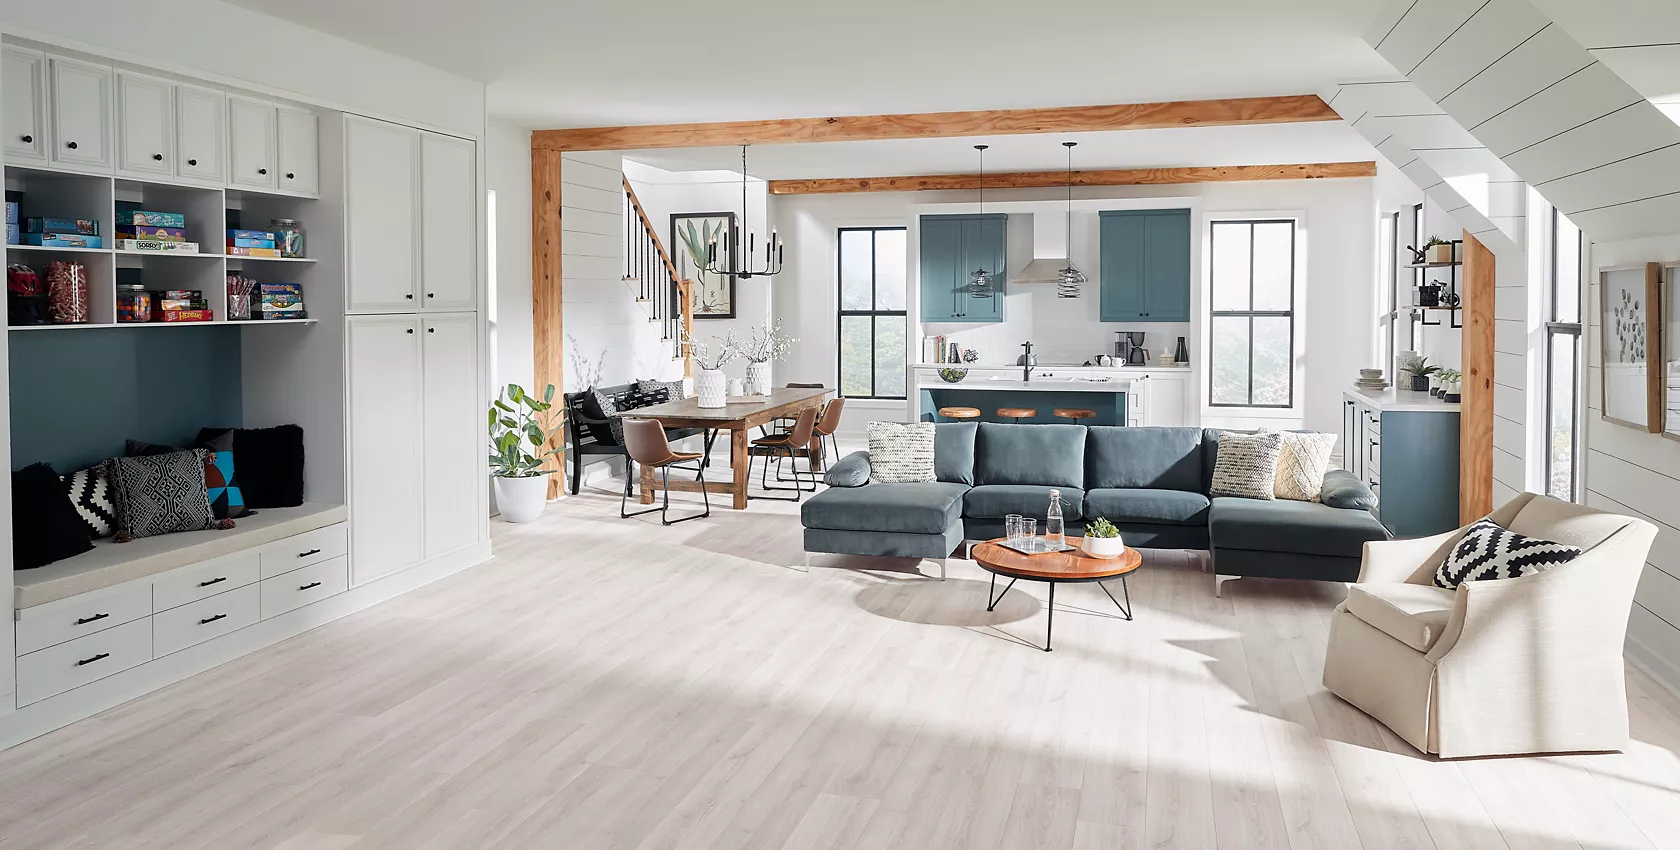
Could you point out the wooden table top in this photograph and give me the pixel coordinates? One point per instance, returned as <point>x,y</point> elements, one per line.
<point>1053,566</point>
<point>761,408</point>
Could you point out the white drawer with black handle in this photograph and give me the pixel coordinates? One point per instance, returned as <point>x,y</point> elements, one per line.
<point>212,617</point>
<point>301,587</point>
<point>190,584</point>
<point>81,615</point>
<point>301,550</point>
<point>72,664</point>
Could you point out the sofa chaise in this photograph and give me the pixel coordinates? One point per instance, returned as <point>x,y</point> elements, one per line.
<point>1153,483</point>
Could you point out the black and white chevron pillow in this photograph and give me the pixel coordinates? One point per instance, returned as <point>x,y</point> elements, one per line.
<point>1488,551</point>
<point>90,492</point>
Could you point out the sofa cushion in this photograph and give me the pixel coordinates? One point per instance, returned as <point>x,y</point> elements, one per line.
<point>1143,458</point>
<point>1157,507</point>
<point>922,508</point>
<point>1284,526</point>
<point>995,501</point>
<point>849,471</point>
<point>1048,455</point>
<point>953,452</point>
<point>901,452</point>
<point>1414,614</point>
<point>1343,489</point>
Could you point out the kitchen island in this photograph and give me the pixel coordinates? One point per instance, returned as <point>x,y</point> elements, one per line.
<point>1119,396</point>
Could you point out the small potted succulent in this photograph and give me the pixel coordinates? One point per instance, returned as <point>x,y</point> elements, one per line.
<point>1452,386</point>
<point>1419,371</point>
<point>1438,250</point>
<point>1102,540</point>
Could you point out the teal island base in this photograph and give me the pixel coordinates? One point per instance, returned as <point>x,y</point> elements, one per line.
<point>1110,406</point>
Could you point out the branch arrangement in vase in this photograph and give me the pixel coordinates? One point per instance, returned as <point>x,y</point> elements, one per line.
<point>768,343</point>
<point>708,359</point>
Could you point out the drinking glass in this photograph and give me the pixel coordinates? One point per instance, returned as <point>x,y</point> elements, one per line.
<point>1012,527</point>
<point>1029,527</point>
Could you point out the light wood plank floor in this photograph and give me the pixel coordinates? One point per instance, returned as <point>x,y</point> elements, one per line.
<point>608,683</point>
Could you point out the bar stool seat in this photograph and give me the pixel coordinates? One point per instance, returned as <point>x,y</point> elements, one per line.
<point>1016,413</point>
<point>960,412</point>
<point>1075,413</point>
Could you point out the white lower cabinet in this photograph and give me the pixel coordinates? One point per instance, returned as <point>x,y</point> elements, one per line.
<point>81,615</point>
<point>211,617</point>
<point>300,587</point>
<point>387,445</point>
<point>72,664</point>
<point>190,584</point>
<point>454,431</point>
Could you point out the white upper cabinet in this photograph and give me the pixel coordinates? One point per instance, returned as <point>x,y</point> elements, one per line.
<point>382,214</point>
<point>200,135</point>
<point>251,135</point>
<point>300,157</point>
<point>23,73</point>
<point>454,431</point>
<point>81,110</point>
<point>145,126</point>
<point>448,222</point>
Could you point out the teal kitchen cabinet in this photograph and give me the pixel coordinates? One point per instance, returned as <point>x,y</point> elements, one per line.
<point>952,247</point>
<point>1145,266</point>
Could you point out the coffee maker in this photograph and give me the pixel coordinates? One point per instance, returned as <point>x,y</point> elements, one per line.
<point>1129,350</point>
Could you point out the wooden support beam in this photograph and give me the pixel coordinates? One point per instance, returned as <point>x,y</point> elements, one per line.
<point>1475,416</point>
<point>1111,177</point>
<point>547,333</point>
<point>991,122</point>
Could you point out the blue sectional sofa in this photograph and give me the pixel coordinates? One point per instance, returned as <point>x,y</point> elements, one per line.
<point>1152,483</point>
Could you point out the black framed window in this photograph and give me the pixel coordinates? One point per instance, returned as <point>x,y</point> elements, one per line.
<point>872,312</point>
<point>1252,326</point>
<point>1388,286</point>
<point>1563,360</point>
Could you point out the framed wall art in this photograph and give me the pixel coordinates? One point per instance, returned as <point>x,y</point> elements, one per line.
<point>1631,346</point>
<point>714,295</point>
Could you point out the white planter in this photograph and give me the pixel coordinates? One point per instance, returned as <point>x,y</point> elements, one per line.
<point>1440,254</point>
<point>522,499</point>
<point>1102,547</point>
<point>758,378</point>
<point>709,386</point>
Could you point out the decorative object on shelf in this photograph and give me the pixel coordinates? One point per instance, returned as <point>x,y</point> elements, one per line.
<point>1450,298</point>
<point>1417,369</point>
<point>239,289</point>
<point>13,235</point>
<point>1632,378</point>
<point>714,293</point>
<point>1102,540</point>
<point>67,293</point>
<point>1070,281</point>
<point>952,376</point>
<point>1438,250</point>
<point>157,246</point>
<point>280,301</point>
<point>26,299</point>
<point>732,265</point>
<point>980,280</point>
<point>709,380</point>
<point>1451,386</point>
<point>522,429</point>
<point>1417,255</point>
<point>288,237</point>
<point>1181,354</point>
<point>58,233</point>
<point>953,355</point>
<point>181,305</point>
<point>767,344</point>
<point>1372,379</point>
<point>1429,294</point>
<point>134,303</point>
<point>969,355</point>
<point>130,215</point>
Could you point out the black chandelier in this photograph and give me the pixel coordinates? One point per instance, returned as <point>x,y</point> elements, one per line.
<point>732,250</point>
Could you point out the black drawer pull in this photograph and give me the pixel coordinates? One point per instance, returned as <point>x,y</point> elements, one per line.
<point>93,659</point>
<point>310,585</point>
<point>85,620</point>
<point>216,580</point>
<point>310,552</point>
<point>208,620</point>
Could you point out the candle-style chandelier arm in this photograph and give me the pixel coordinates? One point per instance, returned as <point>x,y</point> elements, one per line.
<point>732,248</point>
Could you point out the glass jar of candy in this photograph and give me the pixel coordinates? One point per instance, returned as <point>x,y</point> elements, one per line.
<point>288,236</point>
<point>134,303</point>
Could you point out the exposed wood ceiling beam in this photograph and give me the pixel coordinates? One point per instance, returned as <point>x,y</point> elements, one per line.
<point>992,122</point>
<point>1114,177</point>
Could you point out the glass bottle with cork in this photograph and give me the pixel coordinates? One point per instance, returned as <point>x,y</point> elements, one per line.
<point>1054,527</point>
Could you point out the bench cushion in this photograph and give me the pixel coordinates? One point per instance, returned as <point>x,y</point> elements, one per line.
<point>1414,614</point>
<point>920,508</point>
<point>996,501</point>
<point>1155,507</point>
<point>1285,526</point>
<point>1143,458</point>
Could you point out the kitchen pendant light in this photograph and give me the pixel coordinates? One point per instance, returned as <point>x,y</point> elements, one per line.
<point>732,248</point>
<point>1070,281</point>
<point>980,280</point>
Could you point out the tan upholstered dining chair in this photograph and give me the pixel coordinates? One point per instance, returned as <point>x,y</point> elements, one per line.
<point>644,441</point>
<point>1495,667</point>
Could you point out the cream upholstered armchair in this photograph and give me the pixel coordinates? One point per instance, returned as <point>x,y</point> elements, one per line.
<point>1500,667</point>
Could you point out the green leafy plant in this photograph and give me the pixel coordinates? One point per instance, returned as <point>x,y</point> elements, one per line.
<point>1433,241</point>
<point>1102,529</point>
<point>520,429</point>
<point>1450,376</point>
<point>1418,366</point>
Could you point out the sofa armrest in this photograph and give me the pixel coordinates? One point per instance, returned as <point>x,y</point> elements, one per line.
<point>1343,489</point>
<point>849,471</point>
<point>1397,561</point>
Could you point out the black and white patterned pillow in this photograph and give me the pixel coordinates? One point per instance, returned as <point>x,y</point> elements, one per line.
<point>160,494</point>
<point>901,452</point>
<point>1247,465</point>
<point>673,389</point>
<point>609,411</point>
<point>90,492</point>
<point>1489,551</point>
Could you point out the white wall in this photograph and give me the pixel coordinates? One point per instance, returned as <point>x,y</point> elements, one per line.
<point>507,153</point>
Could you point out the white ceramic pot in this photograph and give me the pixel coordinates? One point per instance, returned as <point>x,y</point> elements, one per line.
<point>709,386</point>
<point>758,378</point>
<point>1440,254</point>
<point>1102,547</point>
<point>522,499</point>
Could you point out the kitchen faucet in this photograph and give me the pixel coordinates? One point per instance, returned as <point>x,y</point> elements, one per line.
<point>1027,363</point>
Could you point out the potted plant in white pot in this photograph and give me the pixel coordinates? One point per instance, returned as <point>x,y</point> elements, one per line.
<point>1452,386</point>
<point>1102,540</point>
<point>710,384</point>
<point>521,427</point>
<point>767,344</point>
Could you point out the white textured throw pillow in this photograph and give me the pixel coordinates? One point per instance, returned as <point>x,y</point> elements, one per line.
<point>1488,551</point>
<point>1302,464</point>
<point>1247,465</point>
<point>900,452</point>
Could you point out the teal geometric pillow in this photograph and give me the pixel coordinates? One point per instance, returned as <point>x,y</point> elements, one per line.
<point>220,482</point>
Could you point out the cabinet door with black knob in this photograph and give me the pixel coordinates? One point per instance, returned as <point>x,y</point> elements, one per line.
<point>23,100</point>
<point>251,143</point>
<point>382,215</point>
<point>448,223</point>
<point>145,126</point>
<point>200,135</point>
<point>81,110</point>
<point>299,162</point>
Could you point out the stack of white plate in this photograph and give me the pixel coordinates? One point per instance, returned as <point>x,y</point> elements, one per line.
<point>1372,379</point>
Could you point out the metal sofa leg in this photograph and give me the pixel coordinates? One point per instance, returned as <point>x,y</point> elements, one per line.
<point>1219,583</point>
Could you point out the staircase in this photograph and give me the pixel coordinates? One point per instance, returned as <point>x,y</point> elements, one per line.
<point>663,294</point>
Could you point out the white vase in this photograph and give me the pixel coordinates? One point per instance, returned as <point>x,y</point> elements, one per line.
<point>1102,547</point>
<point>522,499</point>
<point>758,378</point>
<point>709,386</point>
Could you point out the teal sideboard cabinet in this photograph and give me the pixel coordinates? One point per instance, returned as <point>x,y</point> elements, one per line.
<point>952,247</point>
<point>1145,270</point>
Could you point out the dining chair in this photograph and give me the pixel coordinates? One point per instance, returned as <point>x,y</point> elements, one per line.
<point>785,446</point>
<point>644,440</point>
<point>785,423</point>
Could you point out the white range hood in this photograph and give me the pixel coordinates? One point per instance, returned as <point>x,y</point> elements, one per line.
<point>1050,241</point>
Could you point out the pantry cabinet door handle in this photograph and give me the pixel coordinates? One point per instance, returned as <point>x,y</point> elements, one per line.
<point>310,552</point>
<point>158,157</point>
<point>70,145</point>
<point>411,330</point>
<point>431,295</point>
<point>431,330</point>
<point>208,620</point>
<point>82,621</point>
<point>409,296</point>
<point>192,162</point>
<point>290,176</point>
<point>93,659</point>
<point>262,171</point>
<point>28,139</point>
<point>310,585</point>
<point>216,580</point>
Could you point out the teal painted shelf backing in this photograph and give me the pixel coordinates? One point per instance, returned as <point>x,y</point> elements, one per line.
<point>76,395</point>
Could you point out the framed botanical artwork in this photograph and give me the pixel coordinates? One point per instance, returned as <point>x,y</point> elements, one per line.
<point>1671,352</point>
<point>1631,346</point>
<point>691,233</point>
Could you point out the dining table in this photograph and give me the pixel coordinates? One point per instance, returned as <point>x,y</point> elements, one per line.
<point>739,416</point>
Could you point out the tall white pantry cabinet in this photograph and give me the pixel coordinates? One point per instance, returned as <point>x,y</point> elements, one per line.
<point>416,479</point>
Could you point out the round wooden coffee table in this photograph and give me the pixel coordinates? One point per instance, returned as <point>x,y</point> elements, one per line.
<point>1055,568</point>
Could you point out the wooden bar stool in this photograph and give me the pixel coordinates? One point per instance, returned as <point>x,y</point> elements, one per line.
<point>1075,413</point>
<point>960,412</point>
<point>1016,413</point>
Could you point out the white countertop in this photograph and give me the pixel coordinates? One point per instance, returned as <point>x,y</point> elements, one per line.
<point>1052,367</point>
<point>1404,401</point>
<point>1042,384</point>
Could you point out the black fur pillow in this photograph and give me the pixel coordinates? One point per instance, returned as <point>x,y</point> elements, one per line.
<point>45,525</point>
<point>270,463</point>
